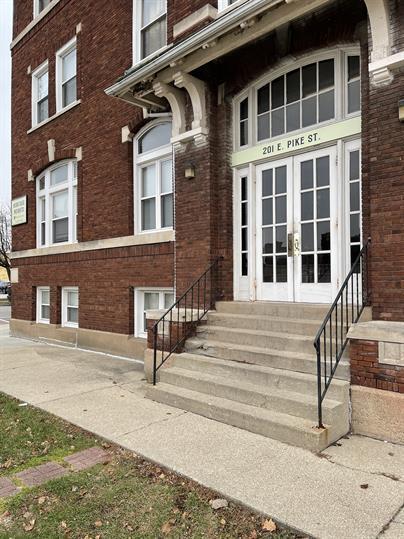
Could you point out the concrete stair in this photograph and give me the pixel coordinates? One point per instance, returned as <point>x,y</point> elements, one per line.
<point>253,366</point>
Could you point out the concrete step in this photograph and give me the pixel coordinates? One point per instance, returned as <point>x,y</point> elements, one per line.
<point>272,398</point>
<point>260,376</point>
<point>259,338</point>
<point>254,355</point>
<point>297,326</point>
<point>286,428</point>
<point>310,311</point>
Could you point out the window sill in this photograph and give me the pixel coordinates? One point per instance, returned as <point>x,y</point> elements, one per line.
<point>48,120</point>
<point>138,63</point>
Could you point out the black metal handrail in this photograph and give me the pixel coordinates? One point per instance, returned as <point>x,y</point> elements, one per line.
<point>173,328</point>
<point>331,338</point>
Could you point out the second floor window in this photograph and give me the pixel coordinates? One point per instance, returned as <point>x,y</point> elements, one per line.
<point>57,205</point>
<point>66,76</point>
<point>40,99</point>
<point>40,5</point>
<point>150,27</point>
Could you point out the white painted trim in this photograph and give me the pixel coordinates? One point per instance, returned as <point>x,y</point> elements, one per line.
<point>65,322</point>
<point>177,101</point>
<point>160,236</point>
<point>63,51</point>
<point>379,17</point>
<point>223,6</point>
<point>33,23</point>
<point>139,305</point>
<point>205,12</point>
<point>39,304</point>
<point>56,115</point>
<point>36,74</point>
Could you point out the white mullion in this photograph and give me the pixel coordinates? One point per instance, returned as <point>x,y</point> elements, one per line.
<point>158,194</point>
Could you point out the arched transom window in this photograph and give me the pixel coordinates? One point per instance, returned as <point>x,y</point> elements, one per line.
<point>153,178</point>
<point>315,91</point>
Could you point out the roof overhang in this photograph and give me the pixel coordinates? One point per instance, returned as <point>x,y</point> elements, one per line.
<point>248,22</point>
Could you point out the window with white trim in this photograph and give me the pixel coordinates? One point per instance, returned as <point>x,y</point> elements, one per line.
<point>40,91</point>
<point>150,300</point>
<point>66,75</point>
<point>57,204</point>
<point>153,178</point>
<point>314,92</point>
<point>70,306</point>
<point>40,5</point>
<point>43,304</point>
<point>150,27</point>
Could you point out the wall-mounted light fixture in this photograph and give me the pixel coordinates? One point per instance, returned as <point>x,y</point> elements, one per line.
<point>189,171</point>
<point>401,110</point>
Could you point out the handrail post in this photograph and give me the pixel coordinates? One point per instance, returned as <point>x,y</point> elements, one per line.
<point>319,402</point>
<point>155,353</point>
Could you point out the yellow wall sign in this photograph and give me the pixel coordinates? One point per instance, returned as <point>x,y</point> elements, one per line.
<point>308,139</point>
<point>19,211</point>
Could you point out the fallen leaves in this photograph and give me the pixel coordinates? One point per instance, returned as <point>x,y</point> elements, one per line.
<point>167,526</point>
<point>269,525</point>
<point>29,526</point>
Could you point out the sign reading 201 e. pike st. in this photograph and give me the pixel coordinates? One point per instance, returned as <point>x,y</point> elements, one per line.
<point>308,139</point>
<point>19,211</point>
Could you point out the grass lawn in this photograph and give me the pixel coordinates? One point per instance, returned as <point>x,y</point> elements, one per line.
<point>126,498</point>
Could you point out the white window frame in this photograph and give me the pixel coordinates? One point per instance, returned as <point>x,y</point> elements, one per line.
<point>37,11</point>
<point>39,304</point>
<point>46,193</point>
<point>140,161</point>
<point>65,291</point>
<point>137,33</point>
<point>340,56</point>
<point>60,54</point>
<point>139,306</point>
<point>36,74</point>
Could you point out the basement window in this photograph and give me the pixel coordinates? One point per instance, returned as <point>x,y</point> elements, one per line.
<point>70,307</point>
<point>57,204</point>
<point>150,300</point>
<point>43,305</point>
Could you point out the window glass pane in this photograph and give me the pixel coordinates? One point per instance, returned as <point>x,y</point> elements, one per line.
<point>69,92</point>
<point>263,99</point>
<point>354,165</point>
<point>309,111</point>
<point>69,65</point>
<point>42,4</point>
<point>280,208</point>
<point>166,177</point>
<point>323,171</point>
<point>326,110</point>
<point>267,182</point>
<point>354,197</point>
<point>293,86</point>
<point>149,181</point>
<point>45,312</point>
<point>267,240</point>
<point>355,228</point>
<point>307,268</point>
<point>45,297</point>
<point>72,315</point>
<point>307,237</point>
<point>73,298</point>
<point>151,10</point>
<point>149,214</point>
<point>267,217</point>
<point>244,133</point>
<point>280,180</point>
<point>263,126</point>
<point>42,183</point>
<point>306,171</point>
<point>168,299</point>
<point>156,137</point>
<point>244,194</point>
<point>293,117</point>
<point>42,210</point>
<point>323,236</point>
<point>151,301</point>
<point>278,122</point>
<point>42,86</point>
<point>355,249</point>
<point>325,74</point>
<point>43,234</point>
<point>59,205</point>
<point>42,110</point>
<point>281,269</point>
<point>307,206</point>
<point>309,79</point>
<point>268,269</point>
<point>166,210</point>
<point>354,96</point>
<point>244,215</point>
<point>60,230</point>
<point>244,239</point>
<point>278,92</point>
<point>244,109</point>
<point>353,67</point>
<point>323,203</point>
<point>324,268</point>
<point>154,37</point>
<point>281,242</point>
<point>244,264</point>
<point>59,175</point>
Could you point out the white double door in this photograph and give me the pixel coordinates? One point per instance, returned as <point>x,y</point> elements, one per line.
<point>296,228</point>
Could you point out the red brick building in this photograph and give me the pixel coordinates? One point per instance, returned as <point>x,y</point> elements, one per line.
<point>151,137</point>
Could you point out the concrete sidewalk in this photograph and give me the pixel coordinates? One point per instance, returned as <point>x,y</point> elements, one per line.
<point>352,490</point>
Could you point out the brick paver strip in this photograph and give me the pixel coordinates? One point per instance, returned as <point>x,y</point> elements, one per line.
<point>7,487</point>
<point>87,458</point>
<point>40,474</point>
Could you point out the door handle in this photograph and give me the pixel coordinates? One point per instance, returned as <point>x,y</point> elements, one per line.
<point>293,244</point>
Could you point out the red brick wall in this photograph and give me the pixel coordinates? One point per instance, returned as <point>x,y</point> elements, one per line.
<point>367,371</point>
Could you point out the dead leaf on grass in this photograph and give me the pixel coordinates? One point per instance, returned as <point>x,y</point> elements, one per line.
<point>29,526</point>
<point>269,525</point>
<point>98,523</point>
<point>166,528</point>
<point>41,500</point>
